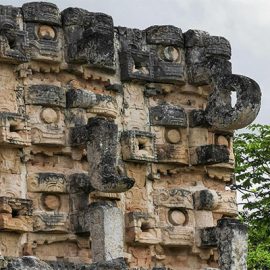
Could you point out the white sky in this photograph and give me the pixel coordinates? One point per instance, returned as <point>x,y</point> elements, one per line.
<point>245,23</point>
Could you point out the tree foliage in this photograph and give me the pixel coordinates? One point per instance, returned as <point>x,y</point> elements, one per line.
<point>252,154</point>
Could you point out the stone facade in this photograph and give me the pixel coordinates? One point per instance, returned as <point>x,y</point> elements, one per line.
<point>116,144</point>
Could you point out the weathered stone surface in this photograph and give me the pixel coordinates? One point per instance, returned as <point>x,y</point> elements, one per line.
<point>220,114</point>
<point>205,199</point>
<point>47,182</point>
<point>107,237</point>
<point>98,123</point>
<point>152,54</point>
<point>80,98</point>
<point>84,30</point>
<point>232,244</point>
<point>142,229</point>
<point>209,154</point>
<point>14,129</point>
<point>166,115</point>
<point>138,146</point>
<point>208,237</point>
<point>113,264</point>
<point>13,39</point>
<point>42,23</point>
<point>102,157</point>
<point>27,263</point>
<point>44,94</point>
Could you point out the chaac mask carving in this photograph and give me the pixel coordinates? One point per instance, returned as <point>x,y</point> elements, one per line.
<point>116,144</point>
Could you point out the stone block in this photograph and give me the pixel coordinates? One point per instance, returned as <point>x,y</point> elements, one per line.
<point>45,95</point>
<point>47,125</point>
<point>16,206</point>
<point>16,214</point>
<point>138,146</point>
<point>107,237</point>
<point>41,12</point>
<point>45,39</point>
<point>209,154</point>
<point>103,164</point>
<point>47,182</point>
<point>80,98</point>
<point>13,40</point>
<point>165,34</point>
<point>78,136</point>
<point>167,115</point>
<point>232,244</point>
<point>106,106</point>
<point>50,222</point>
<point>173,198</point>
<point>20,224</point>
<point>205,199</point>
<point>136,66</point>
<point>208,237</point>
<point>142,229</point>
<point>80,221</point>
<point>89,30</point>
<point>14,130</point>
<point>79,182</point>
<point>227,204</point>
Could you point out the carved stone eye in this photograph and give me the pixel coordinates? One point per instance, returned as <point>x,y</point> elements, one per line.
<point>49,115</point>
<point>46,32</point>
<point>51,202</point>
<point>173,136</point>
<point>178,217</point>
<point>171,54</point>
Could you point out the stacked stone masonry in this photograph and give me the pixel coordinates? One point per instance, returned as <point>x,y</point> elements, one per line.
<point>116,144</point>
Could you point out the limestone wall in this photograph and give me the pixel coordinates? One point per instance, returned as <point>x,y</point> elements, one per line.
<point>116,144</point>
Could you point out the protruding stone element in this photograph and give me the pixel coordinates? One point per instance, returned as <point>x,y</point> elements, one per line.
<point>85,30</point>
<point>230,237</point>
<point>102,157</point>
<point>142,229</point>
<point>219,112</point>
<point>80,98</point>
<point>96,120</point>
<point>208,237</point>
<point>15,214</point>
<point>107,237</point>
<point>43,21</point>
<point>168,115</point>
<point>13,40</point>
<point>106,106</point>
<point>206,56</point>
<point>232,244</point>
<point>209,154</point>
<point>205,199</point>
<point>14,130</point>
<point>45,95</point>
<point>79,189</point>
<point>165,34</point>
<point>41,12</point>
<point>138,146</point>
<point>152,55</point>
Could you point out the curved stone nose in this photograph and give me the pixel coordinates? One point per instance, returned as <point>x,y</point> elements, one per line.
<point>220,114</point>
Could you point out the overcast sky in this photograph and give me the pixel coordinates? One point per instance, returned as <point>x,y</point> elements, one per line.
<point>245,23</point>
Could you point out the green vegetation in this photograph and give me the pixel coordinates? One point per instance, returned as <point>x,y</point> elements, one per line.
<point>252,153</point>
